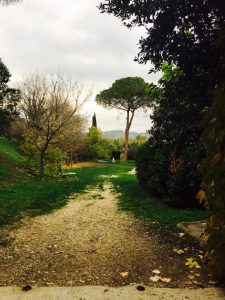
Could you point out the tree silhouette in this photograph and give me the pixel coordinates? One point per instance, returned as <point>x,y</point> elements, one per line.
<point>94,121</point>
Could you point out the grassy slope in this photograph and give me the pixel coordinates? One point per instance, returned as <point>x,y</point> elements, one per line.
<point>9,158</point>
<point>34,197</point>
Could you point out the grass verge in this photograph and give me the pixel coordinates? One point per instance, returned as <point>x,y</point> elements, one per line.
<point>133,198</point>
<point>34,197</point>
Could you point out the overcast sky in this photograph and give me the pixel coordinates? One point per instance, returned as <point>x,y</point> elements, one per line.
<point>42,35</point>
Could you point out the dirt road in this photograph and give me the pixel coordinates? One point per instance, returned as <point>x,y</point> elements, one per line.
<point>88,242</point>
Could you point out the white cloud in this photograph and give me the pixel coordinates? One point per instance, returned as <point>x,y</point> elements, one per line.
<point>40,35</point>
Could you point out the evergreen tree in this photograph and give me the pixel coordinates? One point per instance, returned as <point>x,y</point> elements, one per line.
<point>94,121</point>
<point>126,94</point>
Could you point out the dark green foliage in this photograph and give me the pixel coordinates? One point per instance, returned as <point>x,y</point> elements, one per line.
<point>94,121</point>
<point>134,144</point>
<point>167,165</point>
<point>9,98</point>
<point>180,32</point>
<point>184,184</point>
<point>213,168</point>
<point>151,166</point>
<point>126,94</point>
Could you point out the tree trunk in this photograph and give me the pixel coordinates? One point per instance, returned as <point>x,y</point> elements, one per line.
<point>126,141</point>
<point>127,130</point>
<point>126,144</point>
<point>71,158</point>
<point>42,165</point>
<point>76,157</point>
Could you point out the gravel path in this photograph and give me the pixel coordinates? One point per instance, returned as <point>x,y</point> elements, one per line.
<point>88,242</point>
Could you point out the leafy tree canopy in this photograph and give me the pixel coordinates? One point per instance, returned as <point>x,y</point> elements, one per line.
<point>126,94</point>
<point>97,146</point>
<point>177,31</point>
<point>9,99</point>
<point>167,165</point>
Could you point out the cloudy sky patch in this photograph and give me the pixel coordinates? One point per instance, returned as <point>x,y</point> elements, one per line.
<point>43,35</point>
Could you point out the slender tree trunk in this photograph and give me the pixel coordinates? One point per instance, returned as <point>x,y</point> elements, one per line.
<point>76,157</point>
<point>42,165</point>
<point>126,142</point>
<point>127,130</point>
<point>71,158</point>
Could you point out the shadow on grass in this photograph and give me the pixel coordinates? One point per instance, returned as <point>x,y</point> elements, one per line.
<point>34,197</point>
<point>135,199</point>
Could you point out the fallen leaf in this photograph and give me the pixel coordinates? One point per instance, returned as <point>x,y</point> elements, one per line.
<point>181,234</point>
<point>211,293</point>
<point>124,274</point>
<point>156,272</point>
<point>81,281</point>
<point>155,278</point>
<point>178,251</point>
<point>192,263</point>
<point>191,277</point>
<point>201,196</point>
<point>212,282</point>
<point>165,279</point>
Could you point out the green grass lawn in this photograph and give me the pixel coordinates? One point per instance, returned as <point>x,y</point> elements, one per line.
<point>135,199</point>
<point>34,197</point>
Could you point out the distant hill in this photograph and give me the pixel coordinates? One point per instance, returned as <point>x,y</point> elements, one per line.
<point>120,133</point>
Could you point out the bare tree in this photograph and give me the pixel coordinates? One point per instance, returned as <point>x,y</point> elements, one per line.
<point>49,103</point>
<point>73,137</point>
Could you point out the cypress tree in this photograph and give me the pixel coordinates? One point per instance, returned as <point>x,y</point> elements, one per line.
<point>94,121</point>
